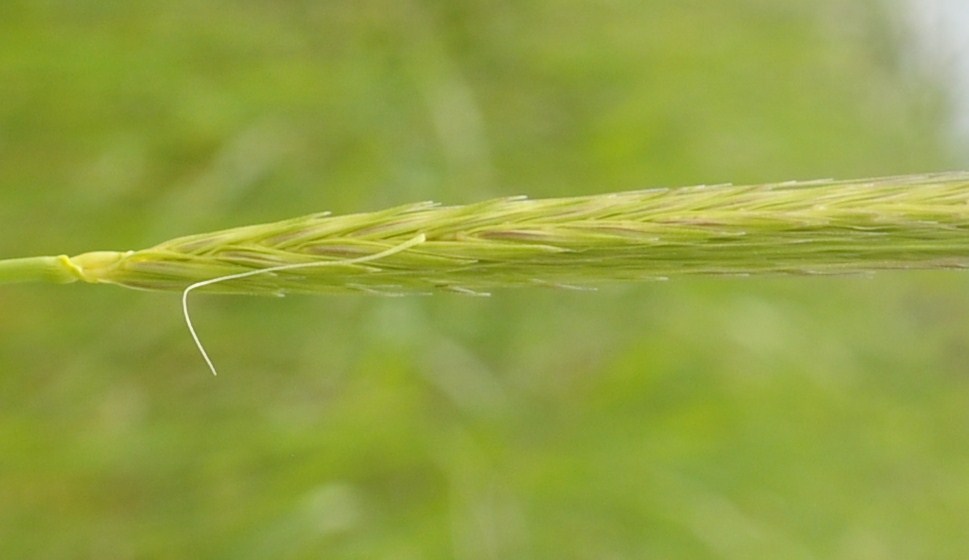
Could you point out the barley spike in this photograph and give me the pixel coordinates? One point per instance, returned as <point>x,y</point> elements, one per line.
<point>816,227</point>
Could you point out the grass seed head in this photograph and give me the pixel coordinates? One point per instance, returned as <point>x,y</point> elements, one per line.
<point>822,227</point>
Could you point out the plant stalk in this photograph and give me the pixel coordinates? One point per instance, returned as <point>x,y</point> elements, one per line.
<point>55,270</point>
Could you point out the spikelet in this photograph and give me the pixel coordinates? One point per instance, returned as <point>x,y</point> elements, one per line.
<point>818,227</point>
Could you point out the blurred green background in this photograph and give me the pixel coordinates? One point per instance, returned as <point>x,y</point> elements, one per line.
<point>696,418</point>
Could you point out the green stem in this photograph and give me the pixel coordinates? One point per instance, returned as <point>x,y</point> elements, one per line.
<point>50,270</point>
